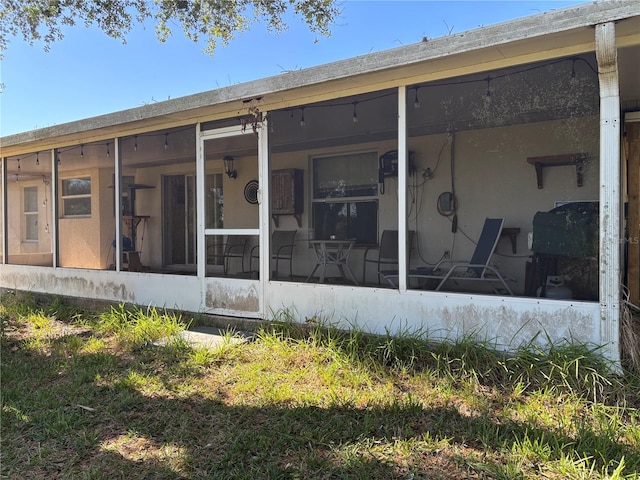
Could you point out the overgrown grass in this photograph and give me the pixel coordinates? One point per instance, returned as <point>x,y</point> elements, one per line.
<point>102,396</point>
<point>137,327</point>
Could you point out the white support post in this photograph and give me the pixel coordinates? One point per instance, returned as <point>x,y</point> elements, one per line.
<point>117,192</point>
<point>403,260</point>
<point>610,205</point>
<point>264,181</point>
<point>55,209</point>
<point>201,196</point>
<point>3,210</point>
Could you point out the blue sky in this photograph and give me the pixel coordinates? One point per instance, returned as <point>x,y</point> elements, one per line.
<point>88,74</point>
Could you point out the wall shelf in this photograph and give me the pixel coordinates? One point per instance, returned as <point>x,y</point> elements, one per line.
<point>541,163</point>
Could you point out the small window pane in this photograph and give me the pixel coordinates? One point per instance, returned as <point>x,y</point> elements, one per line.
<point>31,227</point>
<point>76,186</point>
<point>30,199</point>
<point>357,220</point>
<point>77,206</point>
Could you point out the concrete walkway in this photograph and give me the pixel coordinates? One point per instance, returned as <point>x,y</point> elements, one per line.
<point>211,337</point>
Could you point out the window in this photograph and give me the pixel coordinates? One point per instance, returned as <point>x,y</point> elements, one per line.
<point>76,197</point>
<point>30,214</point>
<point>354,175</point>
<point>345,189</point>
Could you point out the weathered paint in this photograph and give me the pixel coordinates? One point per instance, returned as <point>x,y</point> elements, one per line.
<point>223,296</point>
<point>170,291</point>
<point>230,296</point>
<point>504,322</point>
<point>610,205</point>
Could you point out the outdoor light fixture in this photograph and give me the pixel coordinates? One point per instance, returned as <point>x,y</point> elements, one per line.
<point>228,167</point>
<point>487,97</point>
<point>416,101</point>
<point>302,122</point>
<point>355,113</point>
<point>81,151</point>
<point>573,79</point>
<point>166,141</point>
<point>37,158</point>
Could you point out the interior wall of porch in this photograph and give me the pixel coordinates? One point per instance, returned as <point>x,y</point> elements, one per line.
<point>85,242</point>
<point>28,252</point>
<point>304,258</point>
<point>492,178</point>
<point>238,212</point>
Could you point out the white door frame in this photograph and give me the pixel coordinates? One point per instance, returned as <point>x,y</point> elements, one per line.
<point>202,232</point>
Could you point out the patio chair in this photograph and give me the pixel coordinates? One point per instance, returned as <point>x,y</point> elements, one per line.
<point>130,256</point>
<point>477,269</point>
<point>282,243</point>
<point>387,253</point>
<point>234,247</point>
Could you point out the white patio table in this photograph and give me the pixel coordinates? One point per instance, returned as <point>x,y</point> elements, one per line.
<point>332,252</point>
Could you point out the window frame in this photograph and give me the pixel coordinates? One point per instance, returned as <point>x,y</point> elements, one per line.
<point>348,200</point>
<point>30,213</point>
<point>64,198</point>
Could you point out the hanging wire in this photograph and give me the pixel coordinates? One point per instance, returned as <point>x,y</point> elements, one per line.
<point>512,71</point>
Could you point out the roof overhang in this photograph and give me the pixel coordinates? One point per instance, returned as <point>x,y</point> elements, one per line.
<point>549,35</point>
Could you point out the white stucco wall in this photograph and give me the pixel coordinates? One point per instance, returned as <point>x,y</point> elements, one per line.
<point>85,242</point>
<point>238,212</point>
<point>504,323</point>
<point>492,179</point>
<point>22,251</point>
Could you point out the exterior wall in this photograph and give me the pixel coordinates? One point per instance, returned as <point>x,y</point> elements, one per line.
<point>238,212</point>
<point>28,252</point>
<point>505,323</point>
<point>220,296</point>
<point>492,178</point>
<point>138,288</point>
<point>149,202</point>
<point>387,215</point>
<point>85,242</point>
<point>502,322</point>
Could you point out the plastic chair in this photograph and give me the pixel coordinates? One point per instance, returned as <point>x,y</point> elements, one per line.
<point>234,247</point>
<point>387,252</point>
<point>282,243</point>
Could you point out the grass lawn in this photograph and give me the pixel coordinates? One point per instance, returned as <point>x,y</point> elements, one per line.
<point>94,395</point>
